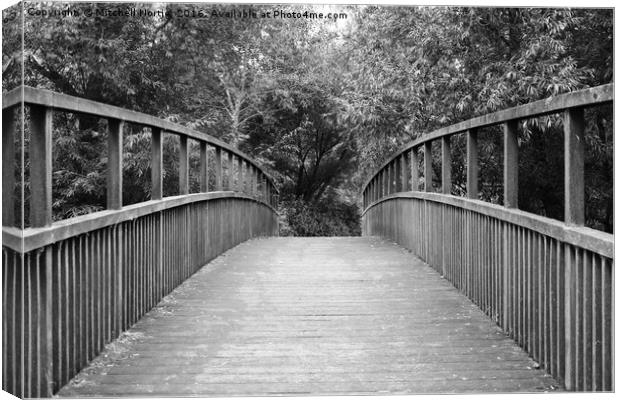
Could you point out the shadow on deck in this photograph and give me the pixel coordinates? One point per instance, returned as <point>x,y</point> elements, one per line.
<point>312,316</point>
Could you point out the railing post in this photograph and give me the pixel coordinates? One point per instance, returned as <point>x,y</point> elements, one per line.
<point>41,166</point>
<point>472,164</point>
<point>231,172</point>
<point>511,164</point>
<point>397,175</point>
<point>204,168</point>
<point>428,166</point>
<point>115,164</point>
<point>573,167</point>
<point>183,165</point>
<point>446,165</point>
<point>218,168</point>
<point>239,174</point>
<point>415,172</point>
<point>404,172</point>
<point>156,164</point>
<point>8,167</point>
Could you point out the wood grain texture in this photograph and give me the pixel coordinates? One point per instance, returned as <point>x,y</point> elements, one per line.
<point>312,316</point>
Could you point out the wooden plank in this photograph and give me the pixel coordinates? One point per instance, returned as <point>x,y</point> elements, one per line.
<point>183,166</point>
<point>8,167</point>
<point>231,172</point>
<point>40,166</point>
<point>335,315</point>
<point>156,164</point>
<point>114,183</point>
<point>446,166</point>
<point>511,164</point>
<point>574,167</point>
<point>472,164</point>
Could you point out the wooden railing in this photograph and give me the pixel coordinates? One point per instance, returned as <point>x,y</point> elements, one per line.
<point>72,286</point>
<point>548,284</point>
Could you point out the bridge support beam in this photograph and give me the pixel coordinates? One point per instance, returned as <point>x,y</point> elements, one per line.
<point>472,164</point>
<point>511,164</point>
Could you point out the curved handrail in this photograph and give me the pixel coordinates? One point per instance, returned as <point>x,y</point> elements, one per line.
<point>244,174</point>
<point>29,239</point>
<point>587,97</point>
<point>61,101</point>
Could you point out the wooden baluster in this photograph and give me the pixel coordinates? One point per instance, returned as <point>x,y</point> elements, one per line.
<point>218,169</point>
<point>428,167</point>
<point>8,167</point>
<point>41,166</point>
<point>204,168</point>
<point>511,165</point>
<point>574,167</point>
<point>183,165</point>
<point>156,164</point>
<point>415,172</point>
<point>472,164</point>
<point>446,165</point>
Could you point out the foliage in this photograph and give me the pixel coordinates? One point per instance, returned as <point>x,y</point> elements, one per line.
<point>320,103</point>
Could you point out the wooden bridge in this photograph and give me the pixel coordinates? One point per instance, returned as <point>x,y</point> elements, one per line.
<point>195,295</point>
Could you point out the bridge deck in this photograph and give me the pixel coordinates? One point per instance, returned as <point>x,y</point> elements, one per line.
<point>312,316</point>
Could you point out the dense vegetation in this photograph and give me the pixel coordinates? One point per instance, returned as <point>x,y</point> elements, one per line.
<point>319,102</point>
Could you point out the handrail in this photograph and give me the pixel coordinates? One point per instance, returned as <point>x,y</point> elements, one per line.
<point>586,97</point>
<point>587,238</point>
<point>23,241</point>
<point>572,104</point>
<point>250,176</point>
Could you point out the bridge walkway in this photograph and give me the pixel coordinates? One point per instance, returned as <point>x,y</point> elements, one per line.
<point>288,316</point>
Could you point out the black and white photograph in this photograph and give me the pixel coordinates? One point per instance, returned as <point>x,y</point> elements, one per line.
<point>210,200</point>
